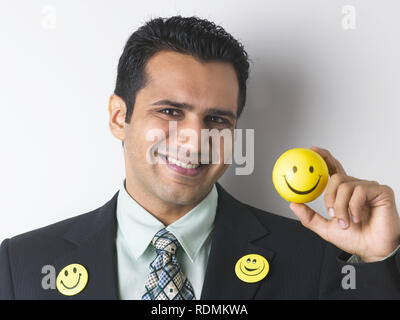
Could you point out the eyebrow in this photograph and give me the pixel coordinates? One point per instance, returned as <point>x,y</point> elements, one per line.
<point>186,106</point>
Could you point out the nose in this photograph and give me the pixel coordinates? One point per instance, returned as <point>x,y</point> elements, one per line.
<point>185,141</point>
<point>189,138</point>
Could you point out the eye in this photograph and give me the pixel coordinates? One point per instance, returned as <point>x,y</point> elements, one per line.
<point>217,120</point>
<point>294,169</point>
<point>74,270</point>
<point>66,273</point>
<point>254,261</point>
<point>311,169</point>
<point>170,112</point>
<point>248,260</point>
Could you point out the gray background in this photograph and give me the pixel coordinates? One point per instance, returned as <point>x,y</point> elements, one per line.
<point>312,83</point>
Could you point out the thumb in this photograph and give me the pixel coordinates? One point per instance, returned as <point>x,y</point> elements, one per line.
<point>310,218</point>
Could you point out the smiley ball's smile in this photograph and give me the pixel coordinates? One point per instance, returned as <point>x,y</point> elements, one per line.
<point>302,192</point>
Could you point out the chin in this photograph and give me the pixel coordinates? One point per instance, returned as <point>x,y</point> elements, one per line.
<point>180,194</point>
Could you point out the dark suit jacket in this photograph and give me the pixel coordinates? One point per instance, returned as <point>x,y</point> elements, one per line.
<point>302,265</point>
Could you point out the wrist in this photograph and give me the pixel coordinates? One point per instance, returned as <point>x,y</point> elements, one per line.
<point>372,259</point>
<point>392,252</point>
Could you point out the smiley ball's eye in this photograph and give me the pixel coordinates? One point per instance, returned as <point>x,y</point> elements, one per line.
<point>66,273</point>
<point>254,261</point>
<point>248,260</point>
<point>294,169</point>
<point>74,270</point>
<point>311,169</point>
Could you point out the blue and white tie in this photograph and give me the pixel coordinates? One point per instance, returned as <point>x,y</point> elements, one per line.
<point>166,280</point>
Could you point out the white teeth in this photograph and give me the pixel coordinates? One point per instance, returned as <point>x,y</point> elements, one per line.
<point>181,164</point>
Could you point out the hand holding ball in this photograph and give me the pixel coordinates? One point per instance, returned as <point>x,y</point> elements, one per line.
<point>300,175</point>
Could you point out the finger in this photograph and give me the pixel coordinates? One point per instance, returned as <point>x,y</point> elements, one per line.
<point>331,190</point>
<point>334,166</point>
<point>357,204</point>
<point>369,194</point>
<point>341,206</point>
<point>310,219</point>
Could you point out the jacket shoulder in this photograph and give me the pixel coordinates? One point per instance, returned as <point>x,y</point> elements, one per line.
<point>75,228</point>
<point>23,257</point>
<point>48,238</point>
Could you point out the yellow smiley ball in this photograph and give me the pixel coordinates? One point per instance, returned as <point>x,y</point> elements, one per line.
<point>251,268</point>
<point>72,279</point>
<point>300,175</point>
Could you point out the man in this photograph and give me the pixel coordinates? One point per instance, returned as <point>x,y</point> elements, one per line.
<point>172,232</point>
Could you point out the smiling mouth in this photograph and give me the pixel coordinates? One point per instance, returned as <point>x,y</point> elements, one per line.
<point>250,269</point>
<point>302,192</point>
<point>79,279</point>
<point>182,168</point>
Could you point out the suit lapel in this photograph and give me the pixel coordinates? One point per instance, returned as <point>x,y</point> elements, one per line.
<point>94,248</point>
<point>235,231</point>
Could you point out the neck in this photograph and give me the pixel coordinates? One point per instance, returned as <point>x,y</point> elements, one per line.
<point>165,212</point>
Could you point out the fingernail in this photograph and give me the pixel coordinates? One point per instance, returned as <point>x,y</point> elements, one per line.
<point>354,219</point>
<point>331,212</point>
<point>343,224</point>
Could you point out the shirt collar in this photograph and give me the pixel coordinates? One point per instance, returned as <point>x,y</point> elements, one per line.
<point>138,226</point>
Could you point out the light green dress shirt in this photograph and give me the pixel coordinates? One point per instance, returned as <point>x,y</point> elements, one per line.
<point>137,227</point>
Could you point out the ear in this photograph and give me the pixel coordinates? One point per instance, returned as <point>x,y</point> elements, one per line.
<point>117,112</point>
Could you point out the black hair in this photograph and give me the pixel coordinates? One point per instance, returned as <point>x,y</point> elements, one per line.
<point>200,38</point>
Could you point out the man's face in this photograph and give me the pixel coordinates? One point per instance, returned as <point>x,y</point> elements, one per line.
<point>204,87</point>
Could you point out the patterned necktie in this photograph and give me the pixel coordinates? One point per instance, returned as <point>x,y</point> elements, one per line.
<point>166,280</point>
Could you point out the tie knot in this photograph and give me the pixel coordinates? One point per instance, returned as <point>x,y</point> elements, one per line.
<point>165,241</point>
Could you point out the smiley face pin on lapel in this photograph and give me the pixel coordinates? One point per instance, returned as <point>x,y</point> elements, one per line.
<point>72,279</point>
<point>251,268</point>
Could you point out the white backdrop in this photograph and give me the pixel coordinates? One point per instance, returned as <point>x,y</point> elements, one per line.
<point>319,77</point>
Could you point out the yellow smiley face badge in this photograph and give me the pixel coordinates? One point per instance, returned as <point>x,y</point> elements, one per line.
<point>251,268</point>
<point>300,175</point>
<point>72,279</point>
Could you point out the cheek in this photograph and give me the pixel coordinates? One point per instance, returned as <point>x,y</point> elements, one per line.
<point>143,135</point>
<point>226,149</point>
